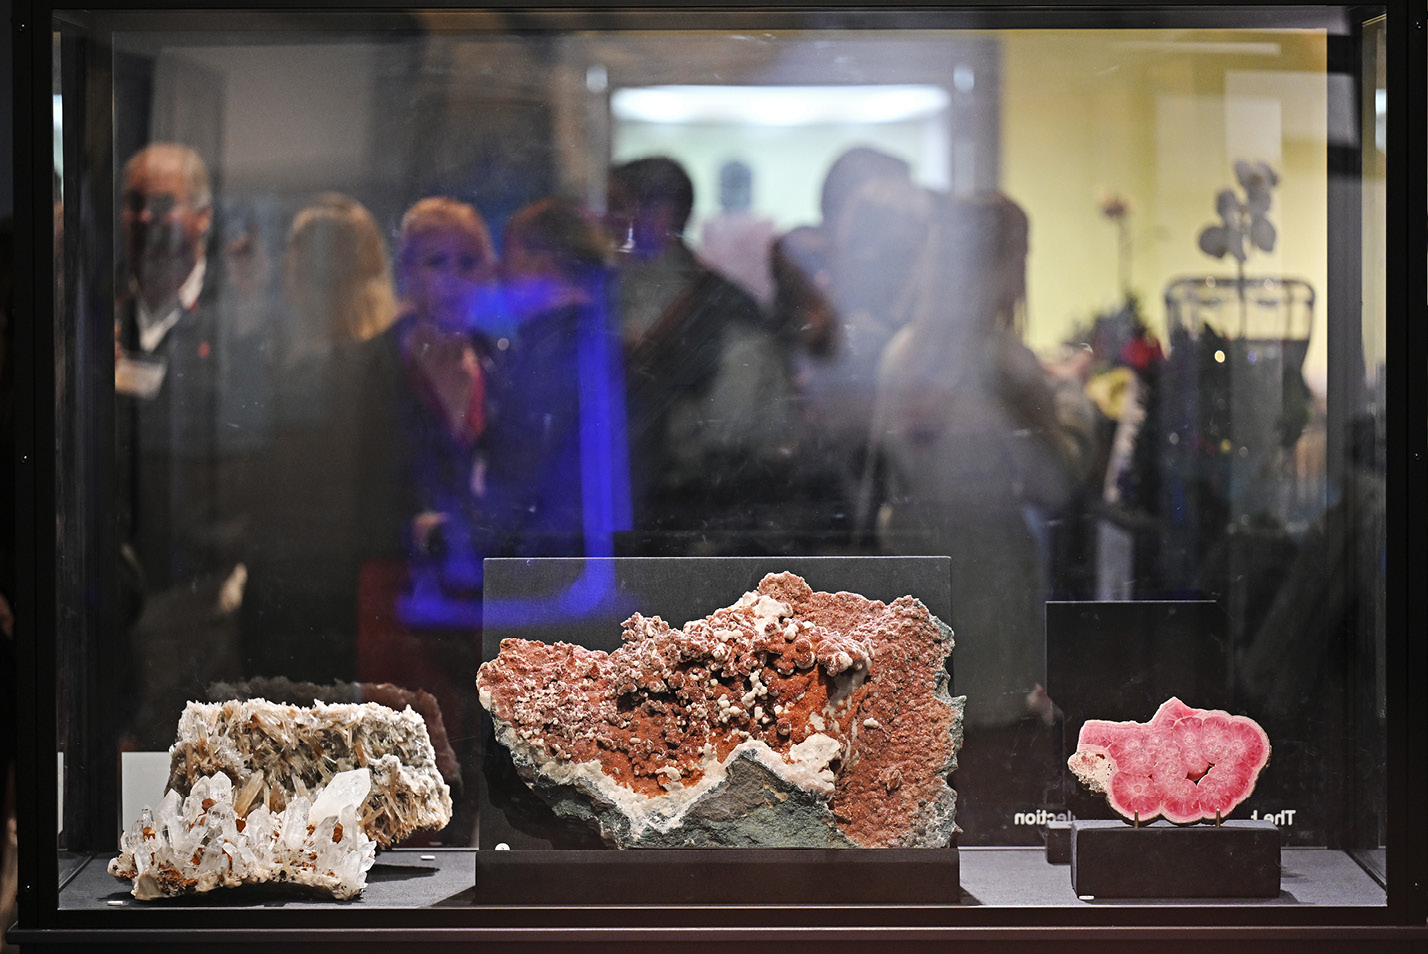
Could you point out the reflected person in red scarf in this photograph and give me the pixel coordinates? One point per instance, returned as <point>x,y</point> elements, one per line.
<point>446,266</point>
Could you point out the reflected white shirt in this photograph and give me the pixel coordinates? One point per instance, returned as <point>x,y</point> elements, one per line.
<point>155,325</point>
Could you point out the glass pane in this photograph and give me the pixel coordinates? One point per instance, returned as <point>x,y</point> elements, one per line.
<point>1095,316</point>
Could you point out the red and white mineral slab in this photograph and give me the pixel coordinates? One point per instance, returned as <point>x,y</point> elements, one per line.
<point>1190,765</point>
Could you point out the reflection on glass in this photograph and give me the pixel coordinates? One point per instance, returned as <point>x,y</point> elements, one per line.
<point>404,303</point>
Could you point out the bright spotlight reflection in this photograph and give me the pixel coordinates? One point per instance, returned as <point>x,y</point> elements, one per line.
<point>778,105</point>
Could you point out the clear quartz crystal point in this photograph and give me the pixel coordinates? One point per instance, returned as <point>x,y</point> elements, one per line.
<point>346,789</point>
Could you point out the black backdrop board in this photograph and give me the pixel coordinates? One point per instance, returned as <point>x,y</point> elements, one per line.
<point>1118,661</point>
<point>584,601</point>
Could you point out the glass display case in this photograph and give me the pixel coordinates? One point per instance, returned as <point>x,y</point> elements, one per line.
<point>813,423</point>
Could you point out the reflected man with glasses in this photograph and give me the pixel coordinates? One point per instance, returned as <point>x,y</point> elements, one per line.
<point>178,537</point>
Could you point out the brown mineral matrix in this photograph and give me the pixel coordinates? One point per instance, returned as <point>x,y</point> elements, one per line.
<point>274,752</point>
<point>782,665</point>
<point>396,698</point>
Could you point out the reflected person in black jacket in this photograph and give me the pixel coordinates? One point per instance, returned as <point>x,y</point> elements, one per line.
<point>166,374</point>
<point>712,415</point>
<point>184,531</point>
<point>314,522</point>
<point>557,484</point>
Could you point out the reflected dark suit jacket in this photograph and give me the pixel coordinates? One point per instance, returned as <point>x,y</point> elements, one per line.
<point>167,446</point>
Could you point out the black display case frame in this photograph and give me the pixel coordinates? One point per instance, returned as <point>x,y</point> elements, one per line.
<point>46,923</point>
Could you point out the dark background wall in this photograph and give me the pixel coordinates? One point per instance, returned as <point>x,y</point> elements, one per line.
<point>7,114</point>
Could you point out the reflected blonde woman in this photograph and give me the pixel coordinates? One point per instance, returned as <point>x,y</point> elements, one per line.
<point>336,272</point>
<point>446,254</point>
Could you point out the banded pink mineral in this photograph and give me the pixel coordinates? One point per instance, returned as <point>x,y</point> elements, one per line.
<point>1189,765</point>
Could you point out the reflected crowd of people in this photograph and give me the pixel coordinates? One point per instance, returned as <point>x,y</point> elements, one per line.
<point>588,384</point>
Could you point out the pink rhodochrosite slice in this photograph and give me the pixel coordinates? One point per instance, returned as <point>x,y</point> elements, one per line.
<point>1187,764</point>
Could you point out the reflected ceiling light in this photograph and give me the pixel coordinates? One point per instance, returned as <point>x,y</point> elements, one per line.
<point>59,140</point>
<point>1380,118</point>
<point>778,105</point>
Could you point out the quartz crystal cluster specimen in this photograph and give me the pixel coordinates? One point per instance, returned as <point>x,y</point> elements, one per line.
<point>275,753</point>
<point>1189,765</point>
<point>215,838</point>
<point>792,718</point>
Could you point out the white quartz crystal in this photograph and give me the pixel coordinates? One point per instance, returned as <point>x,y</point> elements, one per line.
<point>276,753</point>
<point>200,842</point>
<point>346,790</point>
